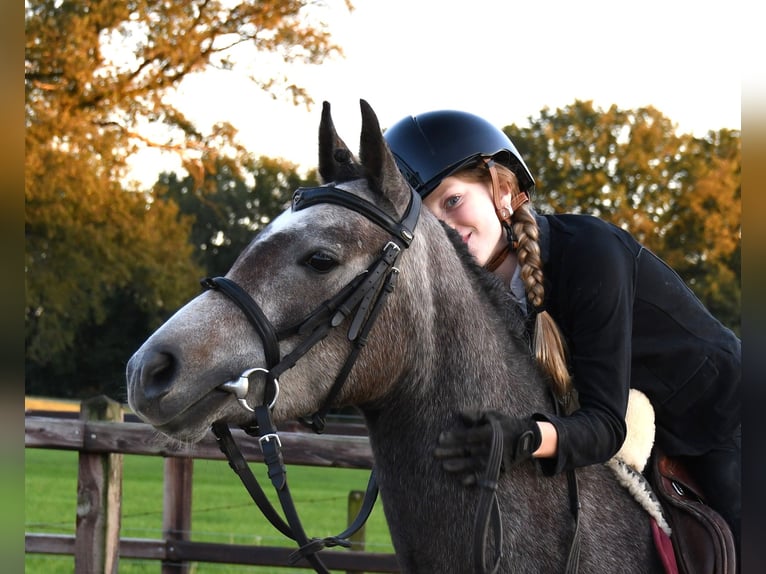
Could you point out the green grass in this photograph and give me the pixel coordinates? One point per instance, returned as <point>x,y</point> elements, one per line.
<point>222,511</point>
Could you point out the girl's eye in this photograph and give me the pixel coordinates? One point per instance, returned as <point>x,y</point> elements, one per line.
<point>452,201</point>
<point>320,262</point>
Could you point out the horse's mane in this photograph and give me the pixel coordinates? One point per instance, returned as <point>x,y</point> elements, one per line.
<point>492,288</point>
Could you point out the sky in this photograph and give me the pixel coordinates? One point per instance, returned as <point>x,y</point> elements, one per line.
<point>501,59</point>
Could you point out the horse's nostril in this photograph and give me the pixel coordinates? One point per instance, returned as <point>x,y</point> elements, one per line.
<point>157,374</point>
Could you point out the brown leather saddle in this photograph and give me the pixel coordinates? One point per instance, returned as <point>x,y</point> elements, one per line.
<point>702,540</point>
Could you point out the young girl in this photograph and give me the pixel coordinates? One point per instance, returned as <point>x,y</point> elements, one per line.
<point>606,315</point>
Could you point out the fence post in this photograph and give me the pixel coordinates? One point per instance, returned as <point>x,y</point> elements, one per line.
<point>99,497</point>
<point>176,509</point>
<point>355,500</point>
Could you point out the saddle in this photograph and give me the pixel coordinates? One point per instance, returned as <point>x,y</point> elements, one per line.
<point>702,540</point>
<point>691,537</point>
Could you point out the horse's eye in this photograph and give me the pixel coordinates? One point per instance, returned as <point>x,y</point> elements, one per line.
<point>320,262</point>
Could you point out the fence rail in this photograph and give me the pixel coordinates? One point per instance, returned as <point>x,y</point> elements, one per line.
<point>96,545</point>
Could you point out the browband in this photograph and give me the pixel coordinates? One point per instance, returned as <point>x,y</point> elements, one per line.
<point>403,230</point>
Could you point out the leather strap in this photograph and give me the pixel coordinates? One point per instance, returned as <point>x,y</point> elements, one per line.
<point>573,559</point>
<point>253,313</point>
<point>239,465</point>
<point>403,230</point>
<point>517,199</point>
<point>495,262</point>
<point>487,515</point>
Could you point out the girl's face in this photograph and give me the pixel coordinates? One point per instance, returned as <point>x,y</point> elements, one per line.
<point>467,207</point>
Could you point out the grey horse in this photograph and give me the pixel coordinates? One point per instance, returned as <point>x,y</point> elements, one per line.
<point>445,340</point>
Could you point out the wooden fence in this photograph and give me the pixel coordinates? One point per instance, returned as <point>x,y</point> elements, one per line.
<point>101,438</point>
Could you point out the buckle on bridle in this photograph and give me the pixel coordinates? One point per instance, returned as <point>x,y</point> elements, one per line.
<point>269,437</point>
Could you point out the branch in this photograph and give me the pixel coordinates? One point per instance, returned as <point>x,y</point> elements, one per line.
<point>155,144</point>
<point>46,86</point>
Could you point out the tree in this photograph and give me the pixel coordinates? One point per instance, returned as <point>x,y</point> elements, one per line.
<point>226,211</point>
<point>98,75</point>
<point>704,241</point>
<point>105,69</point>
<point>85,239</point>
<point>679,195</point>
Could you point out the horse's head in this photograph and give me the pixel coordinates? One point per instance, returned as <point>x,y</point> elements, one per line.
<point>287,308</point>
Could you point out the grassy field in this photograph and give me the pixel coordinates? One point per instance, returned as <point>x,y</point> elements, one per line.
<point>221,508</point>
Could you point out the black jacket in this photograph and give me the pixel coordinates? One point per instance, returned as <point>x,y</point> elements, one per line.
<point>630,321</point>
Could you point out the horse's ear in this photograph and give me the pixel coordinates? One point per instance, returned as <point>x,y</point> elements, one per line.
<point>379,162</point>
<point>336,162</point>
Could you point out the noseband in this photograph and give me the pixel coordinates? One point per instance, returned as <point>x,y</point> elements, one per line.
<point>363,297</point>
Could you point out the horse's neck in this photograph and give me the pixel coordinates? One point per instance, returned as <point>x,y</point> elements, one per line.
<point>480,357</point>
<point>464,358</point>
<point>461,357</point>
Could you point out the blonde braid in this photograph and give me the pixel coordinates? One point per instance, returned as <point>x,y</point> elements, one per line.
<point>549,345</point>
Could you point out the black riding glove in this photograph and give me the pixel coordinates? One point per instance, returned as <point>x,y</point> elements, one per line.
<point>464,449</point>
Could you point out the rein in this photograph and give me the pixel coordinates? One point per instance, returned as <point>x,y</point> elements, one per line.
<point>487,516</point>
<point>363,297</point>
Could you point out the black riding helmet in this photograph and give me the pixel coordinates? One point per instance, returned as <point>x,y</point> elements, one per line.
<point>431,146</point>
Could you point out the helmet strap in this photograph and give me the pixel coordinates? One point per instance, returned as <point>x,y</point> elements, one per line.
<point>495,262</point>
<point>511,243</point>
<point>517,199</point>
<point>504,214</point>
<point>512,239</point>
<point>489,163</point>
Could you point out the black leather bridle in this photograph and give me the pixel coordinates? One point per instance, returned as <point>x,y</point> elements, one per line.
<point>362,299</point>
